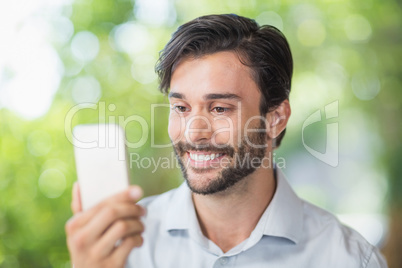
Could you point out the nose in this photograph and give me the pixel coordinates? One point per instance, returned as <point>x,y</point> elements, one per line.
<point>198,129</point>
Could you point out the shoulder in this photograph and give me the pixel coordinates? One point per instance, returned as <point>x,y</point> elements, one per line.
<point>334,240</point>
<point>317,222</point>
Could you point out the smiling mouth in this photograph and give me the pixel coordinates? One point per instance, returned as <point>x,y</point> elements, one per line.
<point>203,157</point>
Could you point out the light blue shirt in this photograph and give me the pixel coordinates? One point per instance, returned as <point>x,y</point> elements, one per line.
<point>290,233</point>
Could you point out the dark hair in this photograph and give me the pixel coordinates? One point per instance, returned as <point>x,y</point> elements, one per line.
<point>262,48</point>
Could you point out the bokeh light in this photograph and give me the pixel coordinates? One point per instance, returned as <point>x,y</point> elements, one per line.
<point>85,46</point>
<point>85,89</point>
<point>270,18</point>
<point>357,28</point>
<point>30,68</point>
<point>142,69</point>
<point>130,38</point>
<point>52,183</point>
<point>311,33</point>
<point>365,85</point>
<point>39,143</point>
<point>155,12</point>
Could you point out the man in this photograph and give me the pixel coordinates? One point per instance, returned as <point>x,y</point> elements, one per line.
<point>228,82</point>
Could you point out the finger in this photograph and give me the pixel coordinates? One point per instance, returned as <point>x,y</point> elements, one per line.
<point>76,199</point>
<point>120,254</point>
<point>133,193</point>
<point>129,196</point>
<point>118,231</point>
<point>107,217</point>
<point>82,238</point>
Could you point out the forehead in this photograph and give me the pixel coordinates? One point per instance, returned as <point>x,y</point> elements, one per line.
<point>220,72</point>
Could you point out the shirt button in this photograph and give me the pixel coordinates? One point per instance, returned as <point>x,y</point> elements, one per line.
<point>223,260</point>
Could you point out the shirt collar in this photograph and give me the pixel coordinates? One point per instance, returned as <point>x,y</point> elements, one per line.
<point>284,215</point>
<point>180,213</point>
<point>282,218</point>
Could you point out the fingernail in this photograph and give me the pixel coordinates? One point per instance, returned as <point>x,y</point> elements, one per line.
<point>135,193</point>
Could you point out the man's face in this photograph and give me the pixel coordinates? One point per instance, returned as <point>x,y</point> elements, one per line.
<point>215,124</point>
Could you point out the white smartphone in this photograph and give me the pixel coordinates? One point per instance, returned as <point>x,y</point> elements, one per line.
<point>100,158</point>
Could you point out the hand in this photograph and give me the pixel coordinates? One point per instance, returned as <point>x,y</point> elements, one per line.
<point>92,235</point>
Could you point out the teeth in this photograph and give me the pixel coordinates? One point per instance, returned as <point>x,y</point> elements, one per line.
<point>204,157</point>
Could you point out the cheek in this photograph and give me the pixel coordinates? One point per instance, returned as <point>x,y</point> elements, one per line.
<point>175,129</point>
<point>226,131</point>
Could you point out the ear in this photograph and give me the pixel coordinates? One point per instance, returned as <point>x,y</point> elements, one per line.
<point>278,119</point>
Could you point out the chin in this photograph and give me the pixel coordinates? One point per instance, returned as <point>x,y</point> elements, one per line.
<point>200,181</point>
<point>208,185</point>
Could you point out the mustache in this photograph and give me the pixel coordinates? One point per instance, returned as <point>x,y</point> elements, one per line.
<point>182,148</point>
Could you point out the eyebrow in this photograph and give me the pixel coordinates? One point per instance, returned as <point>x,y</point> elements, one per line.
<point>213,96</point>
<point>217,96</point>
<point>176,95</point>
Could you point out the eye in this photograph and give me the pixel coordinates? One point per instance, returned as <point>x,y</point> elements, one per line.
<point>220,110</point>
<point>180,109</point>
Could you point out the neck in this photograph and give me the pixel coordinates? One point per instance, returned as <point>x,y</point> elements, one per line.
<point>228,218</point>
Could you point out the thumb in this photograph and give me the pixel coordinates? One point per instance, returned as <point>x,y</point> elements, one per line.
<point>76,206</point>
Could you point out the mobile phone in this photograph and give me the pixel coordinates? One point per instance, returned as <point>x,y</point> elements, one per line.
<point>100,158</point>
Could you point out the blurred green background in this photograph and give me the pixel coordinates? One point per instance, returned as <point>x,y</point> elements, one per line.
<point>55,55</point>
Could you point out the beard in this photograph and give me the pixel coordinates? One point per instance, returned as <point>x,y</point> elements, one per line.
<point>244,160</point>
